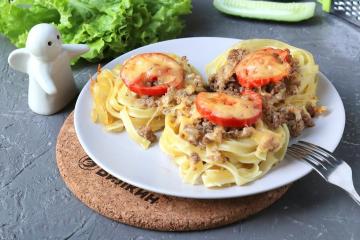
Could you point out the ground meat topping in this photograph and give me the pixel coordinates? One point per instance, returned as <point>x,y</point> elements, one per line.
<point>292,81</point>
<point>270,144</point>
<point>191,134</point>
<point>219,81</point>
<point>295,118</point>
<point>148,101</point>
<point>202,132</point>
<point>214,155</point>
<point>235,133</point>
<point>214,136</point>
<point>311,109</point>
<point>147,133</point>
<point>194,158</point>
<point>275,112</point>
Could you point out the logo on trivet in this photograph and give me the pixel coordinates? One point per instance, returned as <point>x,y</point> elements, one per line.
<point>86,163</point>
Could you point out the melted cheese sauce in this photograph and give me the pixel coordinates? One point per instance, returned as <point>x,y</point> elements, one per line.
<point>232,107</point>
<point>151,67</point>
<point>259,65</point>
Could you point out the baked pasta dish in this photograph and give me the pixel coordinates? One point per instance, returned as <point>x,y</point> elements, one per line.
<point>230,131</point>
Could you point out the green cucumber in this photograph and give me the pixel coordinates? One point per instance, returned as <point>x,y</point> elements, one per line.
<point>277,11</point>
<point>326,5</point>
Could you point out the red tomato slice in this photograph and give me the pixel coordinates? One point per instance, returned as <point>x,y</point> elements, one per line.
<point>263,67</point>
<point>228,110</point>
<point>152,73</point>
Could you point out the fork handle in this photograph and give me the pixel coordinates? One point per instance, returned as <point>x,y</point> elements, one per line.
<point>354,195</point>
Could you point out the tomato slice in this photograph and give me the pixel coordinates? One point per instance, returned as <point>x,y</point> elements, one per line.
<point>228,110</point>
<point>263,67</point>
<point>152,73</point>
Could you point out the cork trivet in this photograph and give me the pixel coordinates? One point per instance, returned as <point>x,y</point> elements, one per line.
<point>128,204</point>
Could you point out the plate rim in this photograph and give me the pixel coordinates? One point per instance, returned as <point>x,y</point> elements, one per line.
<point>154,189</point>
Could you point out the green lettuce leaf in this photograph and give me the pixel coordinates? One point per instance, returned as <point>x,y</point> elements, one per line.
<point>109,27</point>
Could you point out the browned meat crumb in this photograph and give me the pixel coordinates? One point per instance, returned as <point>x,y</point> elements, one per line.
<point>270,144</point>
<point>215,135</point>
<point>184,60</point>
<point>194,158</point>
<point>295,118</point>
<point>273,95</point>
<point>202,132</point>
<point>233,87</point>
<point>306,117</point>
<point>295,124</point>
<point>204,126</point>
<point>148,101</point>
<point>219,81</point>
<point>235,133</point>
<point>216,156</point>
<point>292,81</point>
<point>311,109</point>
<point>273,117</point>
<point>274,88</point>
<point>192,134</point>
<point>147,133</point>
<point>174,96</point>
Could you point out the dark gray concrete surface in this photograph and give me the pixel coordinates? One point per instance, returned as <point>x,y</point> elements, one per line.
<point>35,203</point>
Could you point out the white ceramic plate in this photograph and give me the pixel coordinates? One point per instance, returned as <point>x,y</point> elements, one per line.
<point>152,170</point>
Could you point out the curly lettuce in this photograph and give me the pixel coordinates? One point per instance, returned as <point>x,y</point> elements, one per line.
<point>109,27</point>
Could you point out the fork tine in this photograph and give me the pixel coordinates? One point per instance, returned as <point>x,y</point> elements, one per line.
<point>320,149</point>
<point>315,165</point>
<point>307,152</point>
<point>318,156</point>
<point>315,146</point>
<point>293,153</point>
<point>305,155</point>
<point>319,168</point>
<point>320,153</point>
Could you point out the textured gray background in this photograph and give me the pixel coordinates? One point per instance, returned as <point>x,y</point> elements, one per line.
<point>35,203</point>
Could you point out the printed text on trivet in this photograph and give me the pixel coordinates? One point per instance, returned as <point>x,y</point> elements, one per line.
<point>86,163</point>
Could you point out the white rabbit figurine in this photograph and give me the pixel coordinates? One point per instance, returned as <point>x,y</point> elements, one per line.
<point>47,62</point>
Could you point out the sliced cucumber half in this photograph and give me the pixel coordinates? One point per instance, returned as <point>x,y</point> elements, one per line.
<point>277,11</point>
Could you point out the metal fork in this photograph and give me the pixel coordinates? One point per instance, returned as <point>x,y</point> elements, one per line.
<point>333,170</point>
